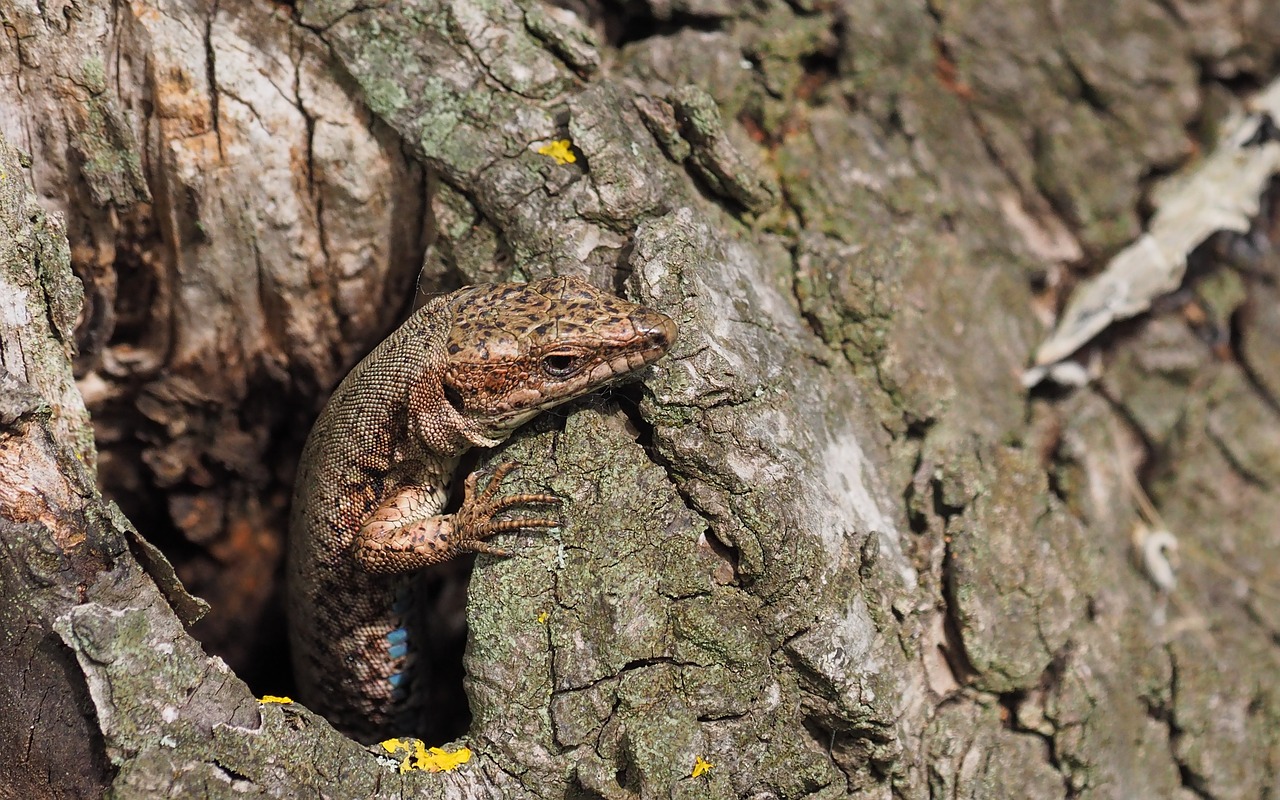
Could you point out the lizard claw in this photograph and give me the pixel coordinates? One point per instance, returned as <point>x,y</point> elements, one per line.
<point>502,471</point>
<point>474,522</point>
<point>481,546</point>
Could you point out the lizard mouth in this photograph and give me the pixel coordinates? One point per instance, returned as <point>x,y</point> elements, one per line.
<point>655,333</point>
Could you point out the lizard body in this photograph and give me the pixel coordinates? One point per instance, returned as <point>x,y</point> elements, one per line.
<point>463,371</point>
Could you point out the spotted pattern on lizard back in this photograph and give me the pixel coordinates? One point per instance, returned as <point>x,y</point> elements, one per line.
<point>463,371</point>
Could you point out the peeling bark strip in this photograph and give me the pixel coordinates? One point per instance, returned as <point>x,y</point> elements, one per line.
<point>834,551</point>
<point>1222,194</point>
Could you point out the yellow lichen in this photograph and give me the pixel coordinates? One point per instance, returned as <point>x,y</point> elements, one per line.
<point>271,698</point>
<point>543,617</point>
<point>561,150</point>
<point>438,760</point>
<point>431,759</point>
<point>700,767</point>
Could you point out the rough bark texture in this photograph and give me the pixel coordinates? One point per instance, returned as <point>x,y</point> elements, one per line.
<point>830,547</point>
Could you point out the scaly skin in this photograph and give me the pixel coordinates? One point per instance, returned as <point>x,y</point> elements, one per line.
<point>463,371</point>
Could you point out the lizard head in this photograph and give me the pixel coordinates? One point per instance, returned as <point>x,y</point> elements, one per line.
<point>517,349</point>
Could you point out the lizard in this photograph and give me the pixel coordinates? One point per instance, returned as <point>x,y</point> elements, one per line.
<point>465,370</point>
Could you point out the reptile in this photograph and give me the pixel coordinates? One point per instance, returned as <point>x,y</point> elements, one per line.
<point>465,370</point>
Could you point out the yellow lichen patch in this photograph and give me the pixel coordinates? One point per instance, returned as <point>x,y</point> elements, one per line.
<point>271,698</point>
<point>700,767</point>
<point>561,150</point>
<point>543,617</point>
<point>431,759</point>
<point>438,760</point>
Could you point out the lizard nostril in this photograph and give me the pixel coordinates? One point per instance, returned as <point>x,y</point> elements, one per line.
<point>658,328</point>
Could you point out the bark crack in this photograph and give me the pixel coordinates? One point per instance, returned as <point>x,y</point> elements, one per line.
<point>1190,779</point>
<point>211,75</point>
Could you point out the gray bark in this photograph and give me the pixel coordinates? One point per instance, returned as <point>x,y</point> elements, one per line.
<point>831,547</point>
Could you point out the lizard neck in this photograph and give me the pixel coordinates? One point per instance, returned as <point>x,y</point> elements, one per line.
<point>439,426</point>
<point>451,440</point>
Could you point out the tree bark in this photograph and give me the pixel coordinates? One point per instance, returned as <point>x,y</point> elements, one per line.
<point>830,546</point>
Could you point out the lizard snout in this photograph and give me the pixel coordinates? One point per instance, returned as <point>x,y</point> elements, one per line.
<point>655,329</point>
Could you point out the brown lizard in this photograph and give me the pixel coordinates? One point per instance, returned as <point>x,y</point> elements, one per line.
<point>463,371</point>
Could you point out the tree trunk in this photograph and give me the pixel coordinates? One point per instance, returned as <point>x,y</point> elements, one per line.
<point>830,546</point>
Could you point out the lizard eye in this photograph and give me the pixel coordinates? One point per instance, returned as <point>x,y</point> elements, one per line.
<point>560,366</point>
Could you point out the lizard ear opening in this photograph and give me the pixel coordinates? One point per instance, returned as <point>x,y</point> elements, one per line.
<point>454,399</point>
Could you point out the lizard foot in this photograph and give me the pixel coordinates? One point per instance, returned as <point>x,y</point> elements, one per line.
<point>402,535</point>
<point>474,522</point>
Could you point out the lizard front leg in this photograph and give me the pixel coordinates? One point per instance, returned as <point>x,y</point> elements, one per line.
<point>406,532</point>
